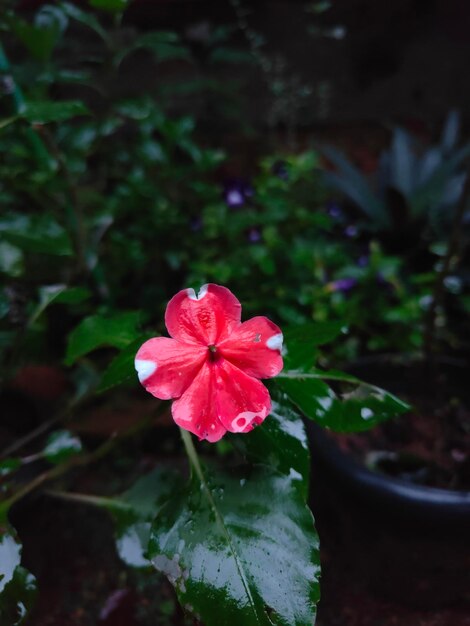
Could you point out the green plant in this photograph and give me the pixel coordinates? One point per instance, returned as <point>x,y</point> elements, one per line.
<point>412,188</point>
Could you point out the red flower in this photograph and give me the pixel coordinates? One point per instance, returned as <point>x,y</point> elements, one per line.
<point>212,364</point>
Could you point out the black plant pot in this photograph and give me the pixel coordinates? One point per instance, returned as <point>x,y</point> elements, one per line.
<point>409,543</point>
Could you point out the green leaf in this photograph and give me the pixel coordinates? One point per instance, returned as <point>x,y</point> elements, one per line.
<point>353,184</point>
<point>240,548</point>
<point>58,294</point>
<point>11,259</point>
<point>99,331</point>
<point>360,408</point>
<point>60,446</point>
<point>17,586</point>
<point>10,552</point>
<point>431,191</point>
<point>8,466</point>
<point>133,511</point>
<point>142,500</point>
<point>301,341</point>
<point>122,367</point>
<point>113,6</point>
<point>450,131</point>
<point>38,233</point>
<point>280,442</point>
<point>41,37</point>
<point>164,45</point>
<point>85,18</point>
<point>402,162</point>
<point>7,121</point>
<point>47,111</point>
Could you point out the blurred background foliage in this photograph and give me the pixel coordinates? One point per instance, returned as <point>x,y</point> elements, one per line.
<point>139,160</point>
<point>117,193</point>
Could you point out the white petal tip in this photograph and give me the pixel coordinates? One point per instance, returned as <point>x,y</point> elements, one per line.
<point>202,292</point>
<point>275,342</point>
<point>144,368</point>
<point>243,420</point>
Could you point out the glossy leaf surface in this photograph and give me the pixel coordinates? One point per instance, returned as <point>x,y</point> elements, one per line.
<point>280,442</point>
<point>60,446</point>
<point>133,511</point>
<point>60,294</point>
<point>359,408</point>
<point>11,260</point>
<point>240,548</point>
<point>17,585</point>
<point>98,331</point>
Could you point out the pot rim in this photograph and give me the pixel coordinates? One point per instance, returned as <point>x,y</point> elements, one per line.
<point>391,491</point>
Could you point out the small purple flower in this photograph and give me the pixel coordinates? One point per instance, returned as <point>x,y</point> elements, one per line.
<point>363,260</point>
<point>254,235</point>
<point>342,284</point>
<point>236,193</point>
<point>350,231</point>
<point>280,170</point>
<point>334,210</point>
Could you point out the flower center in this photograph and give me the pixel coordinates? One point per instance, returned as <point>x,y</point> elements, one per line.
<point>213,356</point>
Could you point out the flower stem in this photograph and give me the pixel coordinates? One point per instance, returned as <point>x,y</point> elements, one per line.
<point>192,453</point>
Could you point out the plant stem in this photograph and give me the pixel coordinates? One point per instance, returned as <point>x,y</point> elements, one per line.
<point>192,453</point>
<point>44,427</point>
<point>77,461</point>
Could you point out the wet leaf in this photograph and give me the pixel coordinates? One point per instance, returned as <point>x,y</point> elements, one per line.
<point>17,585</point>
<point>97,331</point>
<point>60,446</point>
<point>47,112</point>
<point>58,294</point>
<point>11,260</point>
<point>122,367</point>
<point>134,510</point>
<point>280,442</point>
<point>35,234</point>
<point>240,548</point>
<point>358,408</point>
<point>301,341</point>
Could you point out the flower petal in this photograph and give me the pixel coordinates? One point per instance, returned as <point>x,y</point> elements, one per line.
<point>196,410</point>
<point>255,347</point>
<point>206,318</point>
<point>242,402</point>
<point>166,367</point>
